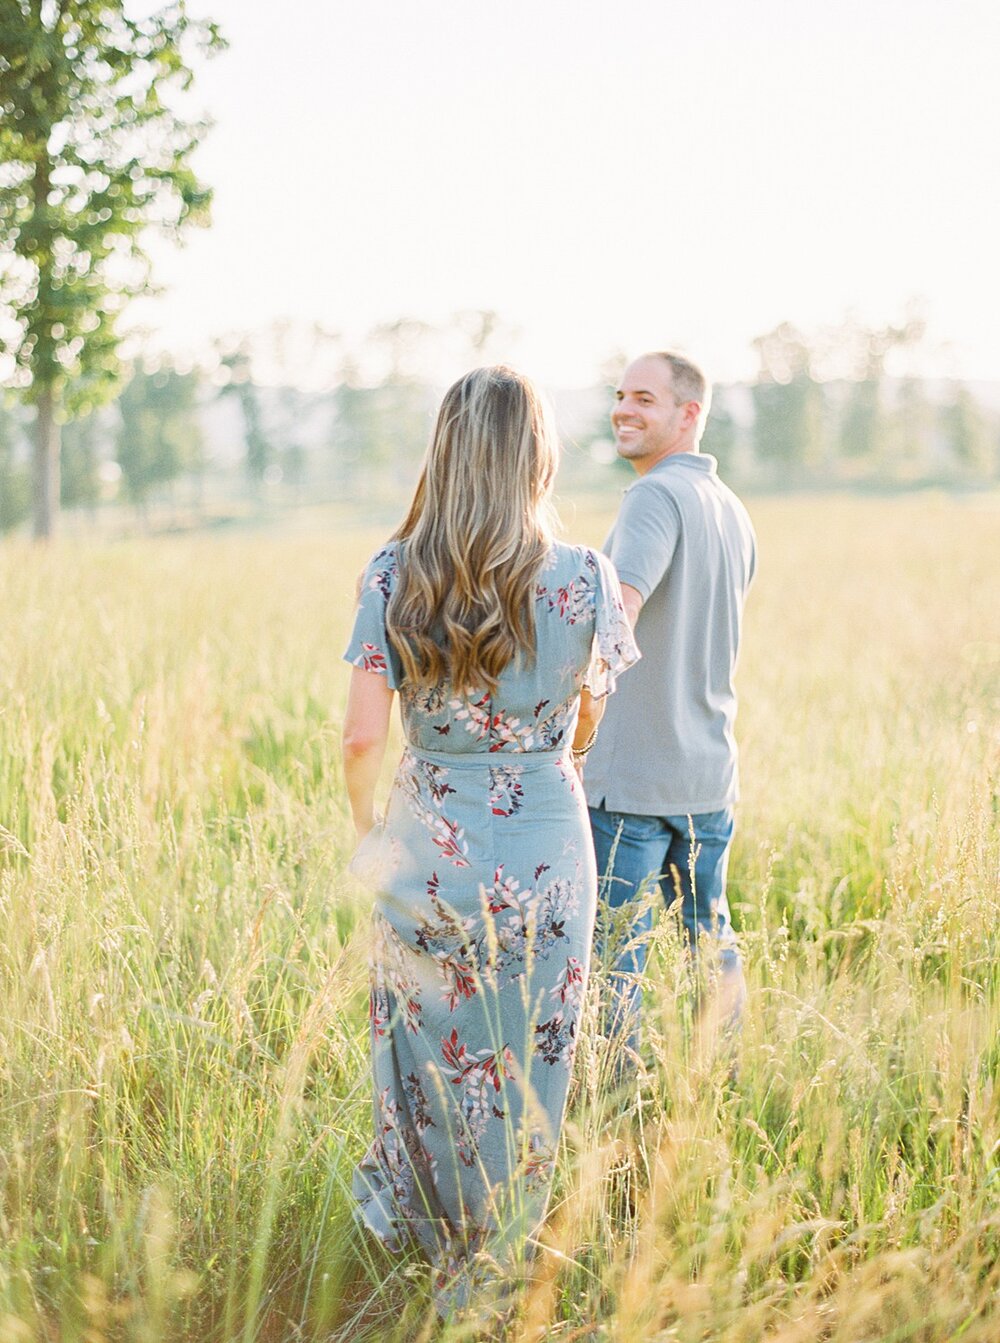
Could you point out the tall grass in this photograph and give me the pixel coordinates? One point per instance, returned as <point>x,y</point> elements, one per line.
<point>183,1040</point>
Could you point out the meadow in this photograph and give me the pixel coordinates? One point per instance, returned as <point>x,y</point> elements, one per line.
<point>183,986</point>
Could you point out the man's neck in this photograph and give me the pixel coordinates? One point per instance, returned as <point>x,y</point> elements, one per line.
<point>641,465</point>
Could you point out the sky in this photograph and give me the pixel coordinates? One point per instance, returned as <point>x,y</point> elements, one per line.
<point>608,177</point>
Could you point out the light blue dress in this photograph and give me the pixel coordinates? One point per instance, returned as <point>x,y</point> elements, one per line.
<point>485,887</point>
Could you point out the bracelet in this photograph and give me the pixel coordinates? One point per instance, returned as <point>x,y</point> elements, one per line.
<point>587,745</point>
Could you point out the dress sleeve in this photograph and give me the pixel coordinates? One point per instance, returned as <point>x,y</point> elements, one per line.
<point>369,647</point>
<point>614,648</point>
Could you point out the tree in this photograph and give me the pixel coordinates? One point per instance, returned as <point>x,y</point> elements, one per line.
<point>92,155</point>
<point>721,432</point>
<point>966,433</point>
<point>381,430</point>
<point>861,423</point>
<point>295,410</point>
<point>79,478</point>
<point>259,451</point>
<point>788,403</point>
<point>381,433</point>
<point>15,479</point>
<point>911,430</point>
<point>865,429</point>
<point>160,435</point>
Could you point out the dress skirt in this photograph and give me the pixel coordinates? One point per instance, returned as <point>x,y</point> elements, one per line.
<point>485,890</point>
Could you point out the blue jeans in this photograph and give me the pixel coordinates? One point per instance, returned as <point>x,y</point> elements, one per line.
<point>685,856</point>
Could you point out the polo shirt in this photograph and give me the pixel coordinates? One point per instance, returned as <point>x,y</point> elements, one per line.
<point>667,745</point>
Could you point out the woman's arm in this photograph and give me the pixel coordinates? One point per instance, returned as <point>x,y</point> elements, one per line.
<point>591,713</point>
<point>366,731</point>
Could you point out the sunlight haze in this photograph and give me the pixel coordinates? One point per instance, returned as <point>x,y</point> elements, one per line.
<point>606,179</point>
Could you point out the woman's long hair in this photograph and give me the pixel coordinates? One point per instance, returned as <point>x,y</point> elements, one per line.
<point>478,529</point>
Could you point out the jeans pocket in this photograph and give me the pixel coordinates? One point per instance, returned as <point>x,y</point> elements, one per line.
<point>640,829</point>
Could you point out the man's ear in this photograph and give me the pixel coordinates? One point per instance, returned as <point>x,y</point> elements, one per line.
<point>692,409</point>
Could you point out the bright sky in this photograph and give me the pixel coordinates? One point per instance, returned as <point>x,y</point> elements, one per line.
<point>606,174</point>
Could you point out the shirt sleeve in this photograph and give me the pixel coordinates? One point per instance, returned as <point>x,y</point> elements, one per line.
<point>369,647</point>
<point>614,648</point>
<point>644,538</point>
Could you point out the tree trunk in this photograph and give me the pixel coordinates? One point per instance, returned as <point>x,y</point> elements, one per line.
<point>46,483</point>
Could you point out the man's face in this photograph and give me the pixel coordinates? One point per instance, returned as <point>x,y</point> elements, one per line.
<point>647,421</point>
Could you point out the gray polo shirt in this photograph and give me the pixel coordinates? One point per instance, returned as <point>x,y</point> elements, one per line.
<point>667,745</point>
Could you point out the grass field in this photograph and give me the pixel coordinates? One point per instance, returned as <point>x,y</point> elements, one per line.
<point>183,1035</point>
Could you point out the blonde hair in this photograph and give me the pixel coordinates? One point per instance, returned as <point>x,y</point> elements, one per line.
<point>478,529</point>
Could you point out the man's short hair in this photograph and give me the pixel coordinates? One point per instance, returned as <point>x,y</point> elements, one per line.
<point>690,382</point>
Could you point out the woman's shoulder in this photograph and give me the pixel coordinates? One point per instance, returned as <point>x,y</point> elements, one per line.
<point>382,569</point>
<point>565,557</point>
<point>387,553</point>
<point>570,561</point>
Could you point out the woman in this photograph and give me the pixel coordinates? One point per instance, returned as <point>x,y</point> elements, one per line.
<point>501,644</point>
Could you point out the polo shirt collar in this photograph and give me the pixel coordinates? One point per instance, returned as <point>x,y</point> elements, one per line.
<point>697,461</point>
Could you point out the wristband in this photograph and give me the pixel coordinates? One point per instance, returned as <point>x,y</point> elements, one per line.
<point>587,745</point>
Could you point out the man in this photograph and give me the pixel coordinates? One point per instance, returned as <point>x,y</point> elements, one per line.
<point>662,778</point>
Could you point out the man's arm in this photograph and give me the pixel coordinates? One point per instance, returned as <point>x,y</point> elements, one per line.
<point>642,542</point>
<point>632,599</point>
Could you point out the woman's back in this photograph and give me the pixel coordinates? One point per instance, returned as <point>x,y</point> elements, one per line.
<point>534,706</point>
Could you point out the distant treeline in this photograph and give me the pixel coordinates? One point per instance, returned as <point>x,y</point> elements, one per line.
<point>819,412</point>
<point>831,408</point>
<point>875,430</point>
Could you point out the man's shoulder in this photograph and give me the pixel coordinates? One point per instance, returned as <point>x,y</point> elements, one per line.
<point>687,487</point>
<point>655,490</point>
<point>656,504</point>
<point>735,505</point>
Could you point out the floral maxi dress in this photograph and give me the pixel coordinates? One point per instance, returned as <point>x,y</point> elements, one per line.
<point>485,891</point>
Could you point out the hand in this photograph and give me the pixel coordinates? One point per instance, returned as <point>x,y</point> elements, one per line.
<point>364,827</point>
